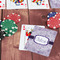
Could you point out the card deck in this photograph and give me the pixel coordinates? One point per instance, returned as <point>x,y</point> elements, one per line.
<point>41,41</point>
<point>16,4</point>
<point>2,4</point>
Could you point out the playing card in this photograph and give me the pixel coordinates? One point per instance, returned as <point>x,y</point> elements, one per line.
<point>16,4</point>
<point>38,4</point>
<point>41,41</point>
<point>55,3</point>
<point>2,4</point>
<point>25,30</point>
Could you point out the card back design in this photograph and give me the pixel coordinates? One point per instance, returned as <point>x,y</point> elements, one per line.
<point>41,41</point>
<point>55,3</point>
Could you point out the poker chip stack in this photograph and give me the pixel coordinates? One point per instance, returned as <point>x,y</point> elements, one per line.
<point>53,20</point>
<point>2,34</point>
<point>8,26</point>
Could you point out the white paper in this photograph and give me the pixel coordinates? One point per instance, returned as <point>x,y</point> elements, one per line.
<point>13,5</point>
<point>33,5</point>
<point>23,37</point>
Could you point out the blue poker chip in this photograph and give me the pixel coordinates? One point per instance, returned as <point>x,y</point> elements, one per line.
<point>51,14</point>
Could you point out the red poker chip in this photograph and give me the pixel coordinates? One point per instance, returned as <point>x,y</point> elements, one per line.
<point>4,18</point>
<point>15,17</point>
<point>54,22</point>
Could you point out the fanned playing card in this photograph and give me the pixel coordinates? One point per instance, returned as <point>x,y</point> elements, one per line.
<point>16,4</point>
<point>38,4</point>
<point>25,33</point>
<point>2,4</point>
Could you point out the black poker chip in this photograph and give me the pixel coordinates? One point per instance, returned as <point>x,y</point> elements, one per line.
<point>0,24</point>
<point>2,34</point>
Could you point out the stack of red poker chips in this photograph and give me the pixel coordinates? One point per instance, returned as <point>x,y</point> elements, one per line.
<point>9,24</point>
